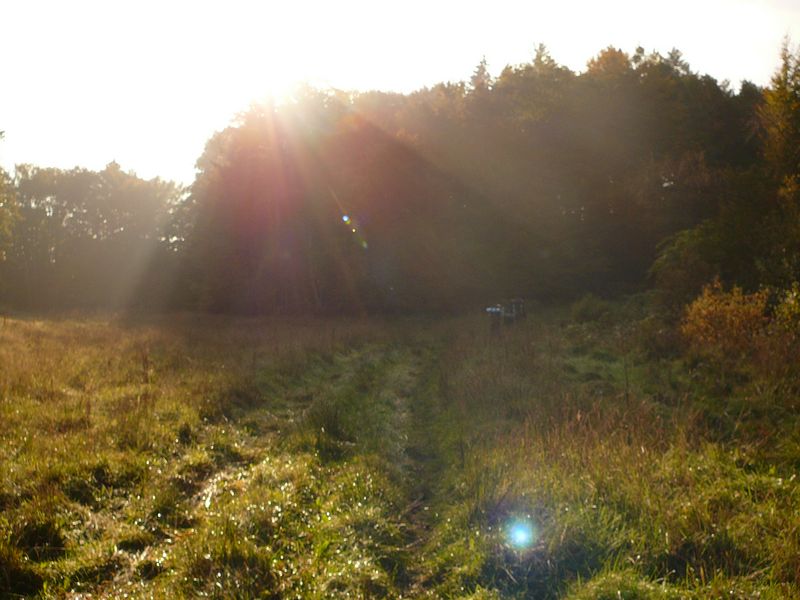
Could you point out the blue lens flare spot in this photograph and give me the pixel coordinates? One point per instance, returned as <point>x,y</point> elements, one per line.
<point>521,534</point>
<point>346,218</point>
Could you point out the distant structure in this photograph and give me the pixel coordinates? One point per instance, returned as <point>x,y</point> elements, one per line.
<point>506,314</point>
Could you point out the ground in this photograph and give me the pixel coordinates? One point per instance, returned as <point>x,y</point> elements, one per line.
<point>195,456</point>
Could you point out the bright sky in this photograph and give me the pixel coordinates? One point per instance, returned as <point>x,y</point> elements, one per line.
<point>146,82</point>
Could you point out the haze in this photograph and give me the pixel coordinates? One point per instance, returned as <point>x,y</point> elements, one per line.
<point>146,83</point>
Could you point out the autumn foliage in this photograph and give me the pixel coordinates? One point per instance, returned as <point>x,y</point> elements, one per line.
<point>725,325</point>
<point>735,330</point>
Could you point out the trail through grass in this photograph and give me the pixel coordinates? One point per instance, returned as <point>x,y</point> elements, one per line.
<point>323,459</point>
<point>317,508</point>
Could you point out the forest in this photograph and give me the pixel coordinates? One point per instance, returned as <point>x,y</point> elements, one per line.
<point>541,183</point>
<point>279,381</point>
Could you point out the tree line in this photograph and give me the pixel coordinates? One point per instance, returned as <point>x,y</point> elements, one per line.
<point>540,182</point>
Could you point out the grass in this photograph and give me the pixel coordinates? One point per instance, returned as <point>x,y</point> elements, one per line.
<point>225,458</point>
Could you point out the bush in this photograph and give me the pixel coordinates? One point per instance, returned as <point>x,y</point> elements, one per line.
<point>685,261</point>
<point>737,331</point>
<point>782,350</point>
<point>590,308</point>
<point>656,337</point>
<point>726,327</point>
<point>787,313</point>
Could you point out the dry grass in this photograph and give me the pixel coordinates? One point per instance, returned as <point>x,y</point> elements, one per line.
<point>109,430</point>
<point>200,456</point>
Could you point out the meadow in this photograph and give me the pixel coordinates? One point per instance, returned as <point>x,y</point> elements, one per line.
<point>199,456</point>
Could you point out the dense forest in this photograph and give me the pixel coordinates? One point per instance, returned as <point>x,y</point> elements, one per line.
<point>540,182</point>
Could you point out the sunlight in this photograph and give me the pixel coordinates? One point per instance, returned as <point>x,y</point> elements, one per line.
<point>204,63</point>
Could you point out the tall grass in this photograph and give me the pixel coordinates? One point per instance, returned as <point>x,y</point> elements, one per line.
<point>109,429</point>
<point>621,477</point>
<point>202,456</point>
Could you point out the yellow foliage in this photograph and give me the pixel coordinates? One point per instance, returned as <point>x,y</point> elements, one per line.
<point>726,326</point>
<point>737,330</point>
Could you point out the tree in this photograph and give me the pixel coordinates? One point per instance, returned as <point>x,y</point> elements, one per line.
<point>611,63</point>
<point>541,182</point>
<point>780,116</point>
<point>87,239</point>
<point>780,119</point>
<point>481,80</point>
<point>7,210</point>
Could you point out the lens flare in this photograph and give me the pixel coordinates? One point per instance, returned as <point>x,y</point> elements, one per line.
<point>521,534</point>
<point>353,226</point>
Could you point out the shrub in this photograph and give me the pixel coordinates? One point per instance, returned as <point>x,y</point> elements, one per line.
<point>726,327</point>
<point>737,331</point>
<point>782,348</point>
<point>685,261</point>
<point>656,337</point>
<point>590,308</point>
<point>787,313</point>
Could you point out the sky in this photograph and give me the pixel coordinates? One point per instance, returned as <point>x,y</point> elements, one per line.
<point>146,83</point>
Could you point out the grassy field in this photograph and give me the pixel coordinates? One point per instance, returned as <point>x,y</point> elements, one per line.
<point>211,457</point>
